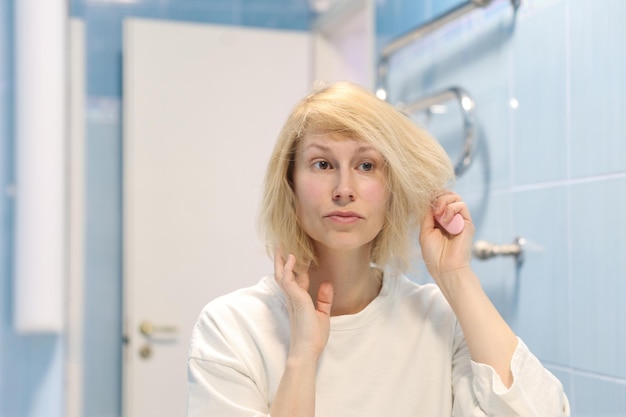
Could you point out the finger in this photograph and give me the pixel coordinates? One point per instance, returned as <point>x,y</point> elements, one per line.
<point>325,298</point>
<point>302,279</point>
<point>287,270</point>
<point>450,210</point>
<point>446,205</point>
<point>428,222</point>
<point>279,264</point>
<point>291,282</point>
<point>442,201</point>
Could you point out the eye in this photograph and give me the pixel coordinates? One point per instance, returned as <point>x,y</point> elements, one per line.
<point>321,165</point>
<point>366,166</point>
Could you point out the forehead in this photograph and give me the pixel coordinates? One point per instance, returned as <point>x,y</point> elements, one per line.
<point>333,141</point>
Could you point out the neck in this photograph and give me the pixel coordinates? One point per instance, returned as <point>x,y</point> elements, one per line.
<point>355,282</point>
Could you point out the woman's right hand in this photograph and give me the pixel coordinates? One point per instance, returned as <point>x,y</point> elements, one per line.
<point>310,323</point>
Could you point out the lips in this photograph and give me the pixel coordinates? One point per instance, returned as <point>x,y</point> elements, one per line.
<point>344,217</point>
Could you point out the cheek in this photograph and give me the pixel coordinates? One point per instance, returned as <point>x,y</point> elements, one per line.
<point>307,195</point>
<point>378,198</point>
<point>377,195</point>
<point>309,190</point>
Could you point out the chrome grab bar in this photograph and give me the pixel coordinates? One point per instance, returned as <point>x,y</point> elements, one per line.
<point>467,104</point>
<point>420,32</point>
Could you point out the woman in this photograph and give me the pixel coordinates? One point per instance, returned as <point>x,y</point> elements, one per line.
<point>338,330</point>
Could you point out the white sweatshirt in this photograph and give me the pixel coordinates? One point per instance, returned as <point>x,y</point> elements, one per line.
<point>403,355</point>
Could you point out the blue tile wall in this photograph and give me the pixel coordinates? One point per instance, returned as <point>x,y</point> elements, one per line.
<point>598,272</point>
<point>394,17</point>
<point>440,7</point>
<point>221,14</point>
<point>499,277</point>
<point>597,53</point>
<point>539,121</point>
<point>550,166</point>
<point>543,295</point>
<point>103,247</point>
<point>598,396</point>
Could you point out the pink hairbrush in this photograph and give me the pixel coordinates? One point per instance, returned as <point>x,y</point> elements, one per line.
<point>454,226</point>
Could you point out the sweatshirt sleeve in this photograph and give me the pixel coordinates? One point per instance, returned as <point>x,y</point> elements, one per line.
<point>535,392</point>
<point>219,381</point>
<point>218,390</point>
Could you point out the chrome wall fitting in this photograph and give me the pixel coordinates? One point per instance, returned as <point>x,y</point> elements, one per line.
<point>486,250</point>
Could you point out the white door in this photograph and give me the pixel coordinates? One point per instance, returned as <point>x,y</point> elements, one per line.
<point>203,106</point>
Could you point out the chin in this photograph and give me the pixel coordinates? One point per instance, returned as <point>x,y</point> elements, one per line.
<point>346,245</point>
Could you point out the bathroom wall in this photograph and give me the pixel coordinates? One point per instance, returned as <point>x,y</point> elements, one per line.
<point>550,166</point>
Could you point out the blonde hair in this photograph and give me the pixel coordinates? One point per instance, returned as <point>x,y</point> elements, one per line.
<point>417,169</point>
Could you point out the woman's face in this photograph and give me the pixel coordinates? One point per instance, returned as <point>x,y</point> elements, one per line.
<point>341,193</point>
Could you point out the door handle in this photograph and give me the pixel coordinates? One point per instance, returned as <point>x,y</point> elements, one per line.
<point>148,329</point>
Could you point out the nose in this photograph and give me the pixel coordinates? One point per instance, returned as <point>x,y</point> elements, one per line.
<point>344,189</point>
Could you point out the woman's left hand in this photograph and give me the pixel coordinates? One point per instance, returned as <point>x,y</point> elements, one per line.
<point>443,252</point>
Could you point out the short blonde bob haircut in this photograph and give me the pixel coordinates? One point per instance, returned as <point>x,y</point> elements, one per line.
<point>417,170</point>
